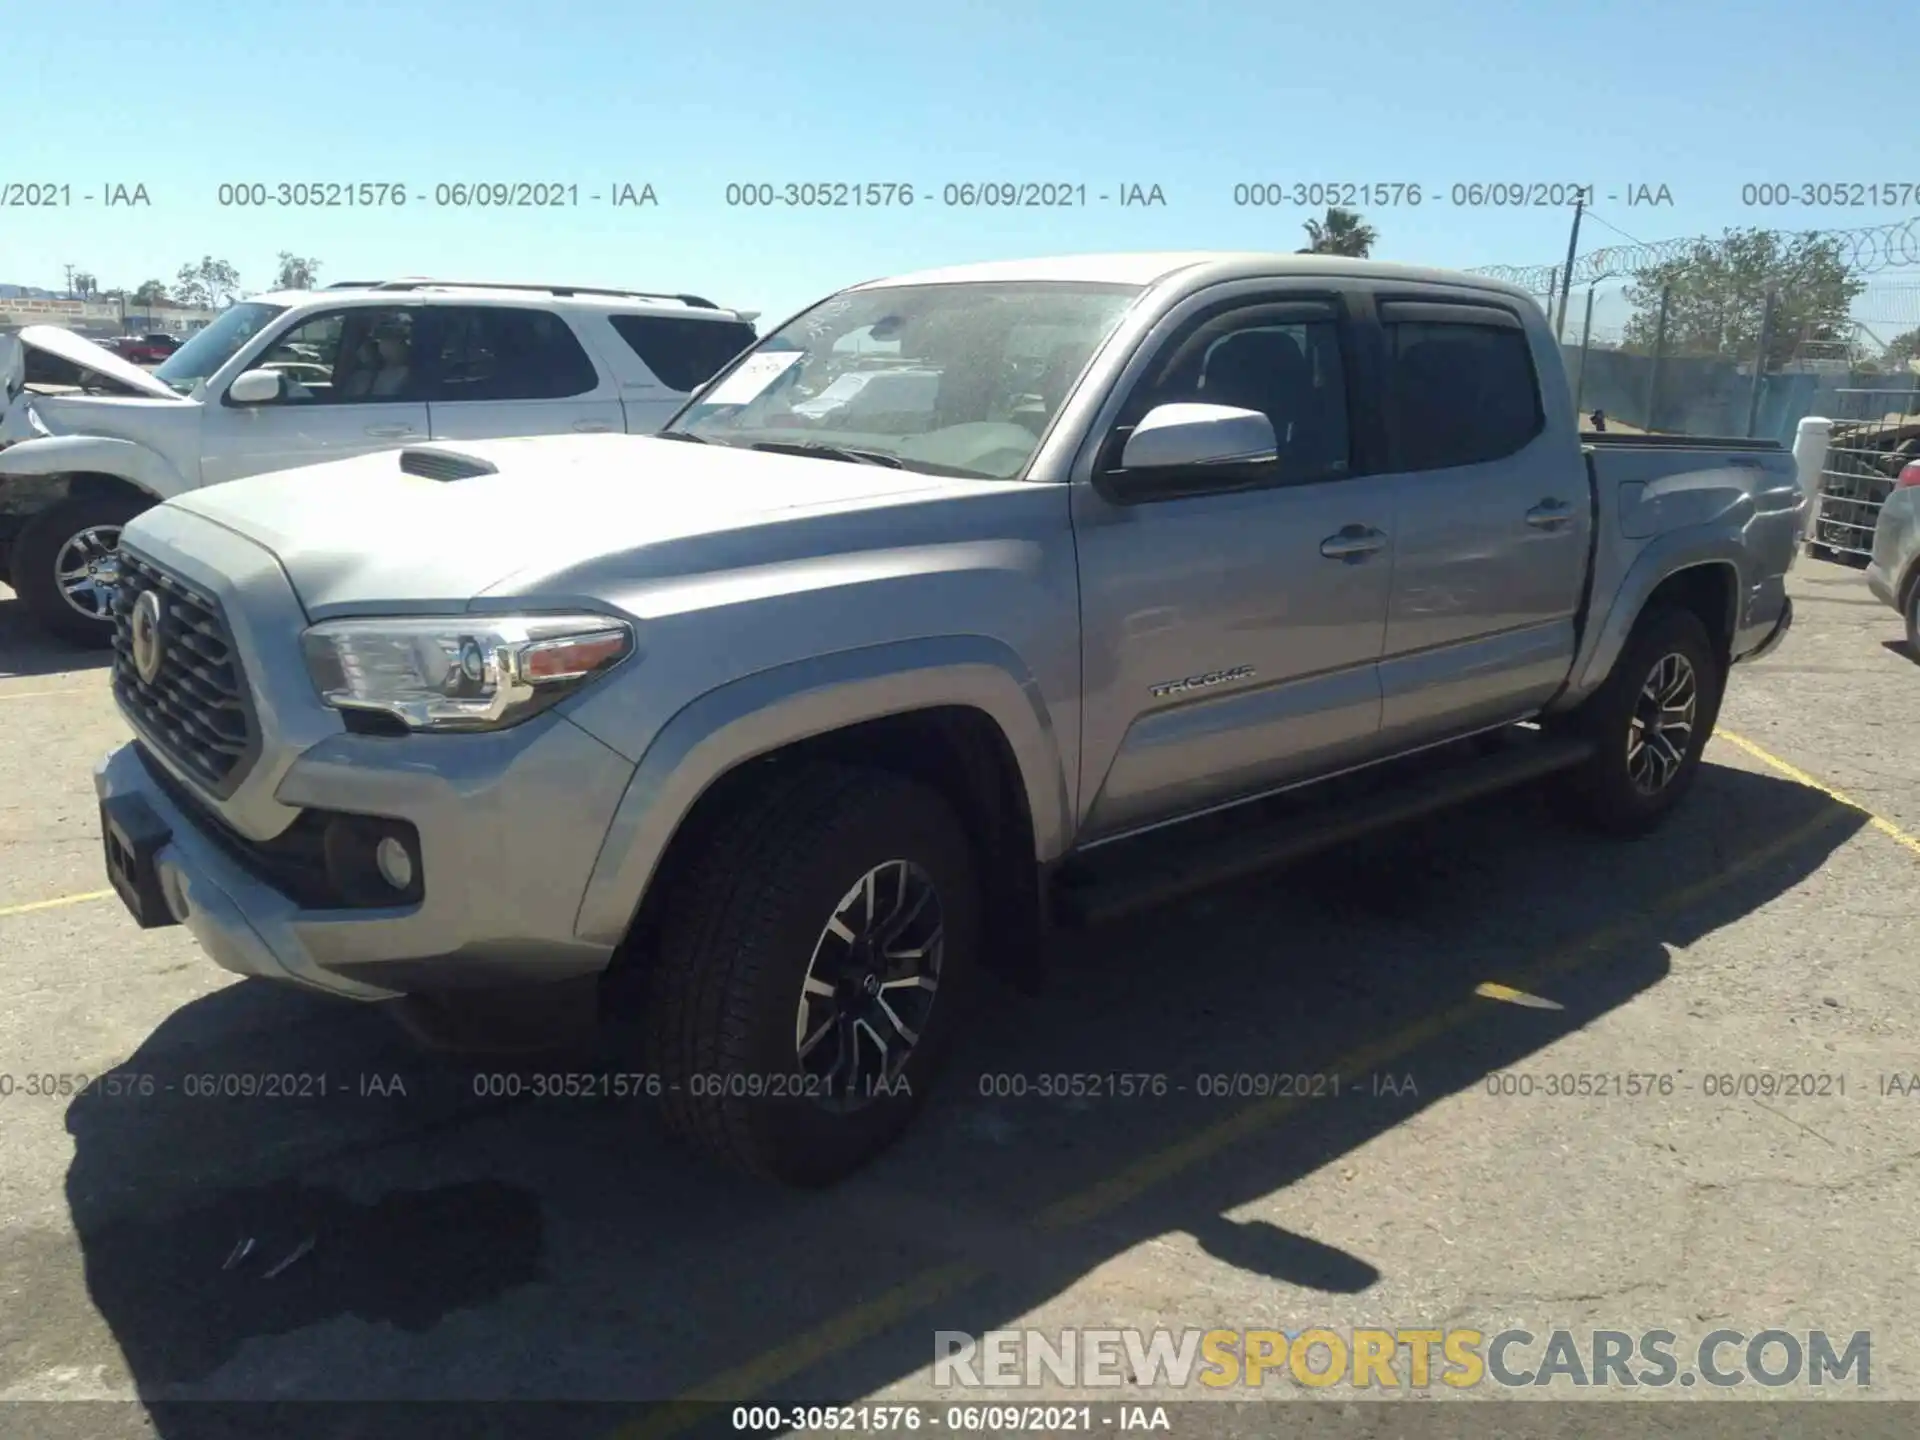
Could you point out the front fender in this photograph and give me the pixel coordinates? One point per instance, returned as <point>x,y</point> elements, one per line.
<point>762,712</point>
<point>1663,557</point>
<point>139,465</point>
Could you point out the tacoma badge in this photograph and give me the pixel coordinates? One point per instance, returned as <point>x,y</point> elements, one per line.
<point>1201,682</point>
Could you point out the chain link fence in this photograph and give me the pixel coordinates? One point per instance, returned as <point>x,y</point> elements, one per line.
<point>1742,335</point>
<point>1749,365</point>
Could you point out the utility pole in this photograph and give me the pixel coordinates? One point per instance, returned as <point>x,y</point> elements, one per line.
<point>1566,276</point>
<point>69,289</point>
<point>1760,362</point>
<point>1586,336</point>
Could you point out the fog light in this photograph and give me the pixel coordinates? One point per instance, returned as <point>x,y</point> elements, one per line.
<point>395,865</point>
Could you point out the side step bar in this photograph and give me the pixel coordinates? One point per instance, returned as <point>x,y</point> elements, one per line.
<point>1093,893</point>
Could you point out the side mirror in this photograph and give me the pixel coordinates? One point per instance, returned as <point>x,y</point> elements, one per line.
<point>257,387</point>
<point>1190,447</point>
<point>1178,436</point>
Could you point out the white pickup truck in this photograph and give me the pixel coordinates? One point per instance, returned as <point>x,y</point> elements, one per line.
<point>303,377</point>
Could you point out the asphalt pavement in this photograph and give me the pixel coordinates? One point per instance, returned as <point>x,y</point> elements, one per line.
<point>391,1225</point>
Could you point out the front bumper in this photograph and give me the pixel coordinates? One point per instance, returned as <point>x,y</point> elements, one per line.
<point>509,826</point>
<point>1881,585</point>
<point>1779,632</point>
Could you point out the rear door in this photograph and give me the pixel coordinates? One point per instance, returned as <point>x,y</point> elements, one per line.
<point>677,354</point>
<point>351,385</point>
<point>1231,634</point>
<point>1494,516</point>
<point>502,370</point>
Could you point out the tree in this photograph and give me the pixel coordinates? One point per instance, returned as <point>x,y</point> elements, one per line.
<point>1902,351</point>
<point>207,285</point>
<point>85,285</point>
<point>1719,295</point>
<point>1341,233</point>
<point>153,292</point>
<point>295,272</point>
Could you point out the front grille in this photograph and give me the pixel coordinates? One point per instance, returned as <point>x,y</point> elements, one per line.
<point>196,708</point>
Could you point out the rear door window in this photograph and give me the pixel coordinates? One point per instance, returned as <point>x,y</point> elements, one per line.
<point>1461,392</point>
<point>501,352</point>
<point>683,353</point>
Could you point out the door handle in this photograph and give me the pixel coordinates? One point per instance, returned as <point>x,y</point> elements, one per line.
<point>592,427</point>
<point>1353,544</point>
<point>1550,513</point>
<point>389,432</point>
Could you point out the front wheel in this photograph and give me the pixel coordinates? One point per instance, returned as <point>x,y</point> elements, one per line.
<point>65,569</point>
<point>1649,725</point>
<point>809,976</point>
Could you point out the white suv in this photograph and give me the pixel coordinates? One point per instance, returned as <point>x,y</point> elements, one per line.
<point>300,377</point>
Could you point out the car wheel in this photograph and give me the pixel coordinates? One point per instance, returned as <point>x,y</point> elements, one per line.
<point>1648,724</point>
<point>1913,619</point>
<point>806,984</point>
<point>65,568</point>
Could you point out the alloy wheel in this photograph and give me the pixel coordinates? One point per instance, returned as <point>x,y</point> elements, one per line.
<point>870,986</point>
<point>87,571</point>
<point>1661,731</point>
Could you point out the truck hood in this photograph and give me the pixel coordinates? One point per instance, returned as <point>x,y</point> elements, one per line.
<point>544,515</point>
<point>75,350</point>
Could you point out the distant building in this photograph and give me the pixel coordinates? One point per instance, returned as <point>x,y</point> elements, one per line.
<point>97,317</point>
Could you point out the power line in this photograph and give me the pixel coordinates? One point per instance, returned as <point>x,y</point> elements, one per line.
<point>1596,216</point>
<point>1865,251</point>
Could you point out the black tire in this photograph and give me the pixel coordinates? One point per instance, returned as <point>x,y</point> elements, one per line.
<point>723,994</point>
<point>1604,794</point>
<point>1913,618</point>
<point>37,553</point>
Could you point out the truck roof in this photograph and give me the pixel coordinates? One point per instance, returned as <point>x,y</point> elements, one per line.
<point>1195,268</point>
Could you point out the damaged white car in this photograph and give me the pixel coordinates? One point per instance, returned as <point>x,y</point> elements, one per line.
<point>88,440</point>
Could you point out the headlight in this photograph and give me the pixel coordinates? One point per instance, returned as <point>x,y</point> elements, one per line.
<point>480,672</point>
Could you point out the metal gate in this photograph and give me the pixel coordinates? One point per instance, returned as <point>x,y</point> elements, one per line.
<point>1875,433</point>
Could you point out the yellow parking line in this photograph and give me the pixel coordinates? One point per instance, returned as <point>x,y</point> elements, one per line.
<point>872,1318</point>
<point>1879,822</point>
<point>54,903</point>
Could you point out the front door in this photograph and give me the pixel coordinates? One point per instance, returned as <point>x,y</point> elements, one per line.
<point>350,385</point>
<point>1231,637</point>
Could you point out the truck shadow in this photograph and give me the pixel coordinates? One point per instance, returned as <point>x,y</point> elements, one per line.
<point>26,649</point>
<point>417,1234</point>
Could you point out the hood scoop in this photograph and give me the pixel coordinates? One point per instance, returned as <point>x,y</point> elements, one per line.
<point>433,463</point>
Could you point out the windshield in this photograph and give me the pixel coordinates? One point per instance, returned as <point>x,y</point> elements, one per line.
<point>950,379</point>
<point>207,351</point>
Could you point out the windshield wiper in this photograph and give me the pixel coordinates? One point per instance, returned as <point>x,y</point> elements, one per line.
<point>681,435</point>
<point>830,452</point>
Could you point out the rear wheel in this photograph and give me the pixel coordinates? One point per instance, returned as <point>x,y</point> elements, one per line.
<point>1649,725</point>
<point>65,568</point>
<point>1913,618</point>
<point>806,985</point>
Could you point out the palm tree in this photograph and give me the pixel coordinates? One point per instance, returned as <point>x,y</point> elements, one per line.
<point>1341,233</point>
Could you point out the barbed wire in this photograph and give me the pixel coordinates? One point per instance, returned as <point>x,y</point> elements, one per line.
<point>1865,251</point>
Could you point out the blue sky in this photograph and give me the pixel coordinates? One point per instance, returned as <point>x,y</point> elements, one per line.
<point>1195,98</point>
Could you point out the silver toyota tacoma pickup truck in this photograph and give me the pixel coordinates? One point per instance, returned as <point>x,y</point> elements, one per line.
<point>965,605</point>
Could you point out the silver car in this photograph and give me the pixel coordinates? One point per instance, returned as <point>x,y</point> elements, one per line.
<point>1894,574</point>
